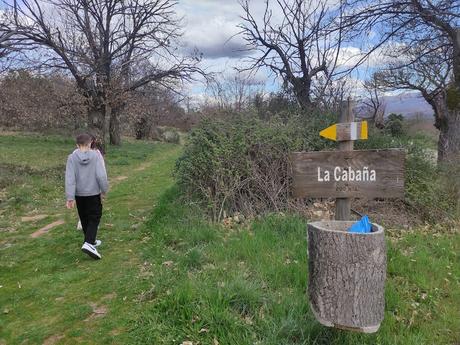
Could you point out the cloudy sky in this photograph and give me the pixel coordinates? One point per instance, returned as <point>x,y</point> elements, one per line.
<point>211,27</point>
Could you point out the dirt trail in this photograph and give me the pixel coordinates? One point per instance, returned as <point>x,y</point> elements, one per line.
<point>47,228</point>
<point>56,223</point>
<point>33,218</point>
<point>118,178</point>
<point>108,304</point>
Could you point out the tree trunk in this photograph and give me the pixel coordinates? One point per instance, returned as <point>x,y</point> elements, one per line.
<point>301,90</point>
<point>347,274</point>
<point>144,127</point>
<point>96,121</point>
<point>449,138</point>
<point>115,131</point>
<point>449,127</point>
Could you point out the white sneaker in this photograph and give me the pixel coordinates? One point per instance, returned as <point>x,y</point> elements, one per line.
<point>91,251</point>
<point>79,227</point>
<point>98,243</point>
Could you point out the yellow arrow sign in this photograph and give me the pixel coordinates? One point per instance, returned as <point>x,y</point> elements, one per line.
<point>346,131</point>
<point>329,132</point>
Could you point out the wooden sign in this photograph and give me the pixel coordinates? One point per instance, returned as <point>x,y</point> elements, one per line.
<point>348,174</point>
<point>346,131</point>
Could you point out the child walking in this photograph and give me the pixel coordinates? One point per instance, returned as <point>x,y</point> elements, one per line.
<point>85,184</point>
<point>95,145</point>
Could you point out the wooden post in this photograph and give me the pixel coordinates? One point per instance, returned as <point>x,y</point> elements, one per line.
<point>343,205</point>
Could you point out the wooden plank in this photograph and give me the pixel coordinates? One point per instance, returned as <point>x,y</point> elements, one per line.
<point>343,205</point>
<point>346,131</point>
<point>351,131</point>
<point>383,178</point>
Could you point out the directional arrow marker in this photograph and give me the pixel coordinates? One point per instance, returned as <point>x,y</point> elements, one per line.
<point>346,131</point>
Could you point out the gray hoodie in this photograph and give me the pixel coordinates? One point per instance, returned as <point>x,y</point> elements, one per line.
<point>85,174</point>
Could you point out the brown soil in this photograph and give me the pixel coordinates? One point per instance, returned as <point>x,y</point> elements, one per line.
<point>47,228</point>
<point>119,178</point>
<point>53,339</point>
<point>33,218</point>
<point>142,167</point>
<point>389,214</point>
<point>98,311</point>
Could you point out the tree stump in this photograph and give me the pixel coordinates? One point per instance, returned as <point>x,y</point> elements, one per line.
<point>347,274</point>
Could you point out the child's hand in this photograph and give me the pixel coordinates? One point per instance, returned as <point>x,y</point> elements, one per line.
<point>70,204</point>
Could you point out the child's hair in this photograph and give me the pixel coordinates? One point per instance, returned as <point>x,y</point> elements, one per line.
<point>83,139</point>
<point>96,144</point>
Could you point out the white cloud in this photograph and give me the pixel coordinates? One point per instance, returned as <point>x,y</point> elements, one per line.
<point>211,27</point>
<point>350,56</point>
<point>217,37</point>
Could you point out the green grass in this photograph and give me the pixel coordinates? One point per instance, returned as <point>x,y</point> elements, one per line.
<point>168,275</point>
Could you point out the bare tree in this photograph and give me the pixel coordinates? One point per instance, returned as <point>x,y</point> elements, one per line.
<point>6,45</point>
<point>109,47</point>
<point>34,102</point>
<point>233,91</point>
<point>304,45</point>
<point>433,26</point>
<point>373,101</point>
<point>429,74</point>
<point>331,94</point>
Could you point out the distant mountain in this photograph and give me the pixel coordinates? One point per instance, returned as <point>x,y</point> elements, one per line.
<point>410,104</point>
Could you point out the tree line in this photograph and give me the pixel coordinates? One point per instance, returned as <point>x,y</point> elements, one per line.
<point>113,48</point>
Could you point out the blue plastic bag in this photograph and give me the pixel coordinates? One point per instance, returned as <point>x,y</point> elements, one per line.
<point>361,226</point>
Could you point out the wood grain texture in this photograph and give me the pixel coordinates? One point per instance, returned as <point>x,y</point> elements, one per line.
<point>346,276</point>
<point>343,205</point>
<point>388,166</point>
<point>345,133</point>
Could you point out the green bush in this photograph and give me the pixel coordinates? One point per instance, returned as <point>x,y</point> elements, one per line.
<point>171,136</point>
<point>427,189</point>
<point>242,164</point>
<point>431,189</point>
<point>394,125</point>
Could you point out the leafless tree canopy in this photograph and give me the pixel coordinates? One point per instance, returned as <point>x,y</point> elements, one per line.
<point>109,47</point>
<point>300,47</point>
<point>6,45</point>
<point>432,25</point>
<point>429,74</point>
<point>428,37</point>
<point>233,91</point>
<point>373,101</point>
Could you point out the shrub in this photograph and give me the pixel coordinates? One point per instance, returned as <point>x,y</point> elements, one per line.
<point>394,125</point>
<point>242,165</point>
<point>171,136</point>
<point>428,190</point>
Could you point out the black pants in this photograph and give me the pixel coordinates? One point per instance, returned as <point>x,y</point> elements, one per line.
<point>90,212</point>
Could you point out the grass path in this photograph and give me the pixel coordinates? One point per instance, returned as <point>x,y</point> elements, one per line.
<point>169,276</point>
<point>52,293</point>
